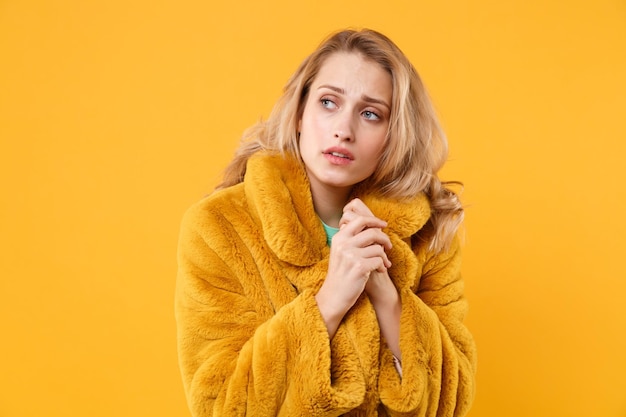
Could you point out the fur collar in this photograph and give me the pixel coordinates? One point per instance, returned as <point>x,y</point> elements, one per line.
<point>278,192</point>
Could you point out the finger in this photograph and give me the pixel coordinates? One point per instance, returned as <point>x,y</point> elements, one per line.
<point>377,242</point>
<point>373,236</point>
<point>347,217</point>
<point>359,207</point>
<point>359,223</point>
<point>371,260</point>
<point>376,251</point>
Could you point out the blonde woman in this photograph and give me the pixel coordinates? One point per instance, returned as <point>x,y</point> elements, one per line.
<point>322,277</point>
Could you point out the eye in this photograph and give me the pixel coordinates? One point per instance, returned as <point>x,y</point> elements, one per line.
<point>370,115</point>
<point>328,103</point>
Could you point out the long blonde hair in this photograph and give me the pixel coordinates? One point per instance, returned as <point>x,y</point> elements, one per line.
<point>416,144</point>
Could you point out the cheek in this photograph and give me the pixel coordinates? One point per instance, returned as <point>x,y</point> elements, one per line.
<point>377,143</point>
<point>374,154</point>
<point>312,131</point>
<point>306,143</point>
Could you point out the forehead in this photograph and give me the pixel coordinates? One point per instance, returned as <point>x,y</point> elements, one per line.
<point>355,75</point>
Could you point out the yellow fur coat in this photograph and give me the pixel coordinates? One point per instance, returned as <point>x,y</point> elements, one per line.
<point>250,336</point>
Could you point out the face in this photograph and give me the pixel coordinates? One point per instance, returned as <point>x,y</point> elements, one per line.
<point>344,122</point>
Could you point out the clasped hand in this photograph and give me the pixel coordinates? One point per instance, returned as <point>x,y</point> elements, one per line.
<point>358,262</point>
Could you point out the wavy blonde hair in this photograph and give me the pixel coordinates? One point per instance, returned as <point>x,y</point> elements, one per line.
<point>416,145</point>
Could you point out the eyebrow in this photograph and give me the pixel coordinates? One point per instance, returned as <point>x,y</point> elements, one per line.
<point>365,98</point>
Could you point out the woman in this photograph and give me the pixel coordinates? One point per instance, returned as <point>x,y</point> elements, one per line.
<point>322,276</point>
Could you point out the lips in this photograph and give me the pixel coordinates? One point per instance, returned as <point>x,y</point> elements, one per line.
<point>339,153</point>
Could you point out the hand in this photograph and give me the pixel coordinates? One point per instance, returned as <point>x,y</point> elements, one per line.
<point>357,251</point>
<point>379,287</point>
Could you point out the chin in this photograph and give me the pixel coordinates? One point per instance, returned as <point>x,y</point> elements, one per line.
<point>341,184</point>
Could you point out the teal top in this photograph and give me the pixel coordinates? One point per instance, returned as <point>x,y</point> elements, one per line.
<point>330,232</point>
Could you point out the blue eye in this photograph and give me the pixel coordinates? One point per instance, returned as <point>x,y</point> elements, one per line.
<point>370,115</point>
<point>329,104</point>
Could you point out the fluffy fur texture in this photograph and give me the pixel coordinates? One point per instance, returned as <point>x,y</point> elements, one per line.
<point>251,338</point>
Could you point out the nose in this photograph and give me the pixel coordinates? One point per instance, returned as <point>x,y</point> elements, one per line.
<point>343,129</point>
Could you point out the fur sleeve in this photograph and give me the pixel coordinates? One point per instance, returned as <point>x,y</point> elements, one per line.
<point>438,352</point>
<point>237,360</point>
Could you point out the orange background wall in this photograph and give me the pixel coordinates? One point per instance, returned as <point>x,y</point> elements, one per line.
<point>115,116</point>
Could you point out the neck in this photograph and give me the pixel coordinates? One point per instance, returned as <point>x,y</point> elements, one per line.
<point>329,203</point>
